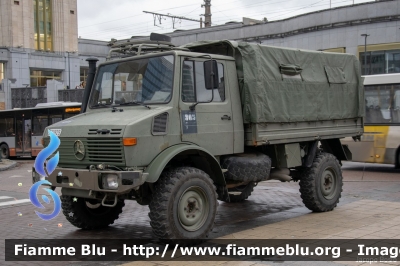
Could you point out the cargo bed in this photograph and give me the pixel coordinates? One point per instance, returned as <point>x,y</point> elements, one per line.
<point>257,134</point>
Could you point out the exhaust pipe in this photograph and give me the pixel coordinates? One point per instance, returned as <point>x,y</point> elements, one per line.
<point>89,82</point>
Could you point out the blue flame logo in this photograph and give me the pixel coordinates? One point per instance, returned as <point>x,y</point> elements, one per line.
<point>51,164</point>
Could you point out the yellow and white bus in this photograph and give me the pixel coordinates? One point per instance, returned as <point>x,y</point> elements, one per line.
<point>21,130</point>
<point>381,140</point>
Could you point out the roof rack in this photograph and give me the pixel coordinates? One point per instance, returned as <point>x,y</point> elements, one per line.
<point>157,43</point>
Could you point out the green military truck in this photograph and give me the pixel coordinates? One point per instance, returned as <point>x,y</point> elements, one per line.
<point>179,128</point>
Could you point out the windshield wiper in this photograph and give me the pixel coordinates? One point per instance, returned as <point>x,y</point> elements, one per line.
<point>99,105</point>
<point>136,103</point>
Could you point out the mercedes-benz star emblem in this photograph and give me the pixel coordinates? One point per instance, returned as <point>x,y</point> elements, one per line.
<point>79,150</point>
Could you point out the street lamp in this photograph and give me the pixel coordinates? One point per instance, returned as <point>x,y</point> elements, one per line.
<point>69,70</point>
<point>365,52</point>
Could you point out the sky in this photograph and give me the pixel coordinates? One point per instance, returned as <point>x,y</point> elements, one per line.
<point>121,19</point>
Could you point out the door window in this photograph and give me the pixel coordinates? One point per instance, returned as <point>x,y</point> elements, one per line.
<point>193,83</point>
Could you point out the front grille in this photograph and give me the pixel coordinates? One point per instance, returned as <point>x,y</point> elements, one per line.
<point>97,150</point>
<point>101,150</point>
<point>92,132</point>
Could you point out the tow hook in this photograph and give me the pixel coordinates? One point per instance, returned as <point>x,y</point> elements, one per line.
<point>103,202</point>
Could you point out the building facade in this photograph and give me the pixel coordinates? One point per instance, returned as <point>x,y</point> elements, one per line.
<point>39,42</point>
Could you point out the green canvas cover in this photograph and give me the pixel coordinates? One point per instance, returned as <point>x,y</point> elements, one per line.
<point>291,85</point>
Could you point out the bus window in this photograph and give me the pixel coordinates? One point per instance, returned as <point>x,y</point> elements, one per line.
<point>380,104</point>
<point>396,105</point>
<point>40,122</point>
<point>7,127</point>
<point>55,116</point>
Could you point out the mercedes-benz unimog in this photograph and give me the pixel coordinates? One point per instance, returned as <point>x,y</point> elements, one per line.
<point>179,128</point>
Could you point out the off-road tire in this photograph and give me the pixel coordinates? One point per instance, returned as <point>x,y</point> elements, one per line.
<point>246,167</point>
<point>4,151</point>
<point>241,193</point>
<point>318,196</point>
<point>183,196</point>
<point>80,215</point>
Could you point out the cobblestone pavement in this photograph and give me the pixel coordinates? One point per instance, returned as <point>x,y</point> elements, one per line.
<point>371,197</point>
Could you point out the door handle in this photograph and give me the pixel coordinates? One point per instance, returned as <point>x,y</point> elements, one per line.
<point>226,117</point>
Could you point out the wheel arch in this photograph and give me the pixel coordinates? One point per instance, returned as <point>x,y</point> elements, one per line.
<point>335,147</point>
<point>8,148</point>
<point>203,160</point>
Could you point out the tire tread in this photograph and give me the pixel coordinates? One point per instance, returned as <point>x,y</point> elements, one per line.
<point>308,188</point>
<point>162,192</point>
<point>85,222</point>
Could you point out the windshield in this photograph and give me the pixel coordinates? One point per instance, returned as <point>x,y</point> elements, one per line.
<point>146,80</point>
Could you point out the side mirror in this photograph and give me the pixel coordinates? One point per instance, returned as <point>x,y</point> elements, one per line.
<point>211,74</point>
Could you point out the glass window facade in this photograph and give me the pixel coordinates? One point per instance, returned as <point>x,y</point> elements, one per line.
<point>39,77</point>
<point>380,62</point>
<point>43,25</point>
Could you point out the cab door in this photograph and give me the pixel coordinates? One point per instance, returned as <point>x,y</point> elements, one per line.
<point>210,123</point>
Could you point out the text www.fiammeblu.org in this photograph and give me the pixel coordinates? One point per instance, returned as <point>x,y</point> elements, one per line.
<point>234,250</point>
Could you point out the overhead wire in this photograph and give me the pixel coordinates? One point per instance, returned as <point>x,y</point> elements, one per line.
<point>129,26</point>
<point>118,28</point>
<point>257,3</point>
<point>143,29</point>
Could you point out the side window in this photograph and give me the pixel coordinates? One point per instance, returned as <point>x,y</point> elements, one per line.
<point>382,104</point>
<point>40,122</point>
<point>55,116</point>
<point>193,84</point>
<point>6,127</point>
<point>188,94</point>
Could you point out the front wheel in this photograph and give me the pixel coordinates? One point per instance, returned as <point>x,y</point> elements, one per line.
<point>89,214</point>
<point>4,151</point>
<point>321,184</point>
<point>184,204</point>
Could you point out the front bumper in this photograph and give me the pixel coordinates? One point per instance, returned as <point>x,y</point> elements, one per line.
<point>91,180</point>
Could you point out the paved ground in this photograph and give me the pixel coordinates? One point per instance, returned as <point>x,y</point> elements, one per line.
<point>369,208</point>
<point>6,164</point>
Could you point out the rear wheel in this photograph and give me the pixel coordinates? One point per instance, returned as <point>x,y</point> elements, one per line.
<point>4,151</point>
<point>184,204</point>
<point>397,162</point>
<point>321,184</point>
<point>89,214</point>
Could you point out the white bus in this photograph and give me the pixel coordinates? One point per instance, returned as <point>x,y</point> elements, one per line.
<point>21,129</point>
<point>381,140</point>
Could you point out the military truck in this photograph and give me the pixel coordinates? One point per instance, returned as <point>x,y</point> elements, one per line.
<point>179,128</point>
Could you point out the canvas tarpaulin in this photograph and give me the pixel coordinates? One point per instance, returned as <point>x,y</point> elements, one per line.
<point>291,85</point>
